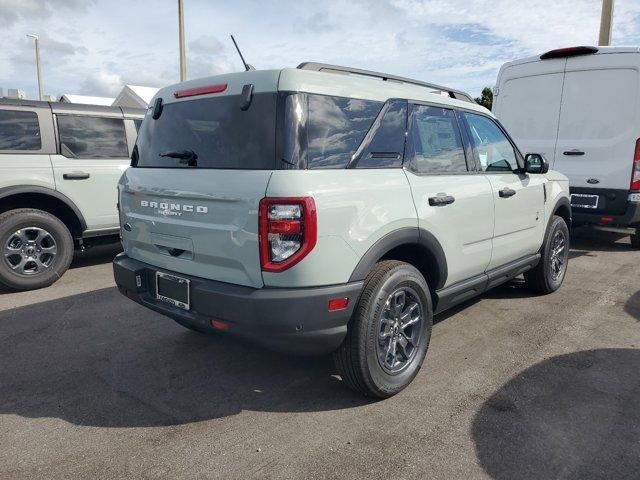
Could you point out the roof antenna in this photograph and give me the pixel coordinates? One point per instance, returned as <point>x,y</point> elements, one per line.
<point>247,67</point>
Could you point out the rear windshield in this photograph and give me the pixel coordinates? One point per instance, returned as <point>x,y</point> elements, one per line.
<point>213,131</point>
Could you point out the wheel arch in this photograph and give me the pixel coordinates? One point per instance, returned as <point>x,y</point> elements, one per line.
<point>416,246</point>
<point>46,199</point>
<point>562,208</point>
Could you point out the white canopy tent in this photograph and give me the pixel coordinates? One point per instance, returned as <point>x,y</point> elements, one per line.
<point>134,96</point>
<point>86,99</point>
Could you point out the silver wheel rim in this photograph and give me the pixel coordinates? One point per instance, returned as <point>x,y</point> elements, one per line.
<point>558,258</point>
<point>30,251</point>
<point>400,330</point>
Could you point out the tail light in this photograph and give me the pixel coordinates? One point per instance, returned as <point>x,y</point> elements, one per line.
<point>288,231</point>
<point>635,173</point>
<point>192,92</point>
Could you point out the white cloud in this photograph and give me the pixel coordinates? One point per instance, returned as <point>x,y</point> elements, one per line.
<point>89,47</point>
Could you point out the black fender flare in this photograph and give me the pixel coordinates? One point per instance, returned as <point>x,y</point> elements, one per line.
<point>22,189</point>
<point>397,238</point>
<point>562,202</point>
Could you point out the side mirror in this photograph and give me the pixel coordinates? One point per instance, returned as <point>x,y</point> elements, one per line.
<point>535,163</point>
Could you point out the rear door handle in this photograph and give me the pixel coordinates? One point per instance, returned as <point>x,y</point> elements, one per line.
<point>575,152</point>
<point>75,176</point>
<point>441,200</point>
<point>507,192</point>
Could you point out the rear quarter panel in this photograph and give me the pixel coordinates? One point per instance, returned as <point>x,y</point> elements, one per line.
<point>356,208</point>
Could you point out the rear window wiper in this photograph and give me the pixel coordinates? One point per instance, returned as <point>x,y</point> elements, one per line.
<point>186,156</point>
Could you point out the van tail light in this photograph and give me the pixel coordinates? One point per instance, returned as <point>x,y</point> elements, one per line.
<point>635,173</point>
<point>568,52</point>
<point>288,231</point>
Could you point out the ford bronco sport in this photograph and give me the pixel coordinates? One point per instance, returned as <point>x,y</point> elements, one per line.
<point>325,209</point>
<point>60,165</point>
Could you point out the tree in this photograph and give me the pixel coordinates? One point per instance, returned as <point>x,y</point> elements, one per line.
<point>486,99</point>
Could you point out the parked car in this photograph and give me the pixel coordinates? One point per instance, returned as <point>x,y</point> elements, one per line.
<point>580,107</point>
<point>59,168</point>
<point>326,209</point>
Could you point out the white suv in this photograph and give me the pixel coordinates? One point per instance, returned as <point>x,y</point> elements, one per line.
<point>325,209</point>
<point>59,168</point>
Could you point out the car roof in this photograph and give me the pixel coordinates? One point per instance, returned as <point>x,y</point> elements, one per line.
<point>76,108</point>
<point>341,84</point>
<point>601,51</point>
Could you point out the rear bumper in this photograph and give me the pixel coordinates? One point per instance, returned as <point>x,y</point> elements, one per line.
<point>291,320</point>
<point>630,217</point>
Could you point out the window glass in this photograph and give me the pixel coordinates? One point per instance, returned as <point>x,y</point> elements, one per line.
<point>137,123</point>
<point>386,148</point>
<point>19,130</point>
<point>336,127</point>
<point>92,137</point>
<point>434,141</point>
<point>214,130</point>
<point>495,152</point>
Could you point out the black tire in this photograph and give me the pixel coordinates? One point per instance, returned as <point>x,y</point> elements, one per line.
<point>357,359</point>
<point>545,278</point>
<point>53,266</point>
<point>635,238</point>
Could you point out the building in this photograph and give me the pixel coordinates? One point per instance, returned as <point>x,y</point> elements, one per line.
<point>16,93</point>
<point>86,99</point>
<point>134,96</point>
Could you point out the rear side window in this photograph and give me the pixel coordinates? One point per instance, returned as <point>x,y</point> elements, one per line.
<point>137,123</point>
<point>434,143</point>
<point>92,137</point>
<point>494,150</point>
<point>210,132</point>
<point>386,148</point>
<point>19,130</point>
<point>336,126</point>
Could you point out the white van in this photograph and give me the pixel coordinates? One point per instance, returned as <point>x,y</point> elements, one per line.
<point>580,107</point>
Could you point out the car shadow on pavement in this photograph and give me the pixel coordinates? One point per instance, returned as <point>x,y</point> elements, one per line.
<point>96,255</point>
<point>632,307</point>
<point>570,416</point>
<point>587,241</point>
<point>98,359</point>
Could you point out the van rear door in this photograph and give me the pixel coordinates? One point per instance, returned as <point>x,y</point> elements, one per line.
<point>599,124</point>
<point>528,104</point>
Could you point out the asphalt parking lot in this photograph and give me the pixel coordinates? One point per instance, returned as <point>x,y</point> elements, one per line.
<point>515,386</point>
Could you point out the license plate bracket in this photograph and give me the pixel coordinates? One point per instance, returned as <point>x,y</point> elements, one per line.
<point>583,200</point>
<point>173,290</point>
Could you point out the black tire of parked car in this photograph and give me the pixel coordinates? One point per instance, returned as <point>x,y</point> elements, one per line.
<point>358,358</point>
<point>542,278</point>
<point>18,220</point>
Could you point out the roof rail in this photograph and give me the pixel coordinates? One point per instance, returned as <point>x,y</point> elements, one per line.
<point>324,67</point>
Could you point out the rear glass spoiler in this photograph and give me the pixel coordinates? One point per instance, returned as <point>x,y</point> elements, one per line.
<point>568,52</point>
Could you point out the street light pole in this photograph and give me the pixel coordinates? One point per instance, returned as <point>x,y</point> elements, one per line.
<point>606,21</point>
<point>183,59</point>
<point>38,66</point>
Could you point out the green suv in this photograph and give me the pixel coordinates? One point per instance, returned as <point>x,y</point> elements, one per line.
<point>323,209</point>
<point>59,169</point>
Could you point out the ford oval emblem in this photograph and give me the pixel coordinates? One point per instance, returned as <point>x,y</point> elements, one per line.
<point>593,181</point>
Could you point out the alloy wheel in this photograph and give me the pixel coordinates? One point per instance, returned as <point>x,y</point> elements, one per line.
<point>400,330</point>
<point>30,251</point>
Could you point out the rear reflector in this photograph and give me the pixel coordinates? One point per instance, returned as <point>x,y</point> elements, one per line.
<point>606,219</point>
<point>219,325</point>
<point>635,172</point>
<point>192,92</point>
<point>568,52</point>
<point>338,304</point>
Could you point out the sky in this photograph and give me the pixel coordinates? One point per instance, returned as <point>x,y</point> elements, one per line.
<point>94,47</point>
